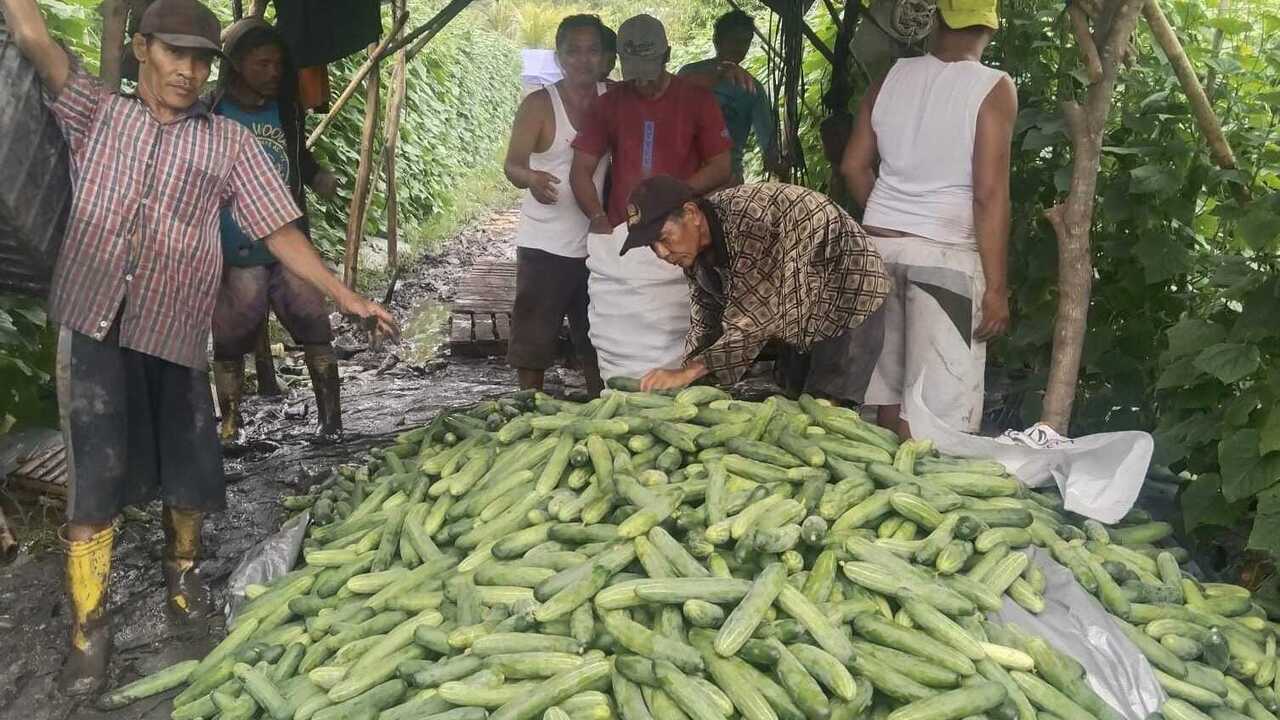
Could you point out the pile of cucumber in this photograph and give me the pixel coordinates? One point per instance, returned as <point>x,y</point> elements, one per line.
<point>690,556</point>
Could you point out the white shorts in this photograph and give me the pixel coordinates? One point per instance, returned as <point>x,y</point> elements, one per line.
<point>929,319</point>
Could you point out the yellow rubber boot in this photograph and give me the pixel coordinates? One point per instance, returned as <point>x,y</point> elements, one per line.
<point>228,380</point>
<point>187,597</point>
<point>88,569</point>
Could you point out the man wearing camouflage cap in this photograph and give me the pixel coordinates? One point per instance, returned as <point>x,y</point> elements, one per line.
<point>133,291</point>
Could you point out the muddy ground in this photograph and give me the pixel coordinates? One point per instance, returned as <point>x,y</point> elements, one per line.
<point>383,393</point>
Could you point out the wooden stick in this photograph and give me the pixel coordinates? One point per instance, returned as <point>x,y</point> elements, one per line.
<point>394,107</point>
<point>115,15</point>
<point>1201,110</point>
<point>1084,40</point>
<point>360,196</point>
<point>432,26</point>
<point>375,55</point>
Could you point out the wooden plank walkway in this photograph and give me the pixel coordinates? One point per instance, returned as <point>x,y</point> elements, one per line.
<point>480,325</point>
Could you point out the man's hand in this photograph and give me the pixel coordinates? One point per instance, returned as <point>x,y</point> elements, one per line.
<point>661,379</point>
<point>374,315</point>
<point>325,184</point>
<point>995,314</point>
<point>600,225</point>
<point>543,186</point>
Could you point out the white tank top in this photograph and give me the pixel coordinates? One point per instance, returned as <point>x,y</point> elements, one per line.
<point>560,229</point>
<point>924,119</point>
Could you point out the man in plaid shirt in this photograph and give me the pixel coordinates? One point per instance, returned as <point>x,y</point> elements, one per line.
<point>133,291</point>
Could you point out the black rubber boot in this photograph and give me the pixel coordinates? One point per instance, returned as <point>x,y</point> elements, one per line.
<point>88,569</point>
<point>187,597</point>
<point>322,365</point>
<point>228,380</point>
<point>265,366</point>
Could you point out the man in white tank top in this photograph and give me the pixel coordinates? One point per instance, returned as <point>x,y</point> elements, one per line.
<point>551,269</point>
<point>929,162</point>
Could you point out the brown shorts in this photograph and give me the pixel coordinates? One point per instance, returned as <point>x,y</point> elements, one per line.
<point>548,288</point>
<point>135,427</point>
<point>245,296</point>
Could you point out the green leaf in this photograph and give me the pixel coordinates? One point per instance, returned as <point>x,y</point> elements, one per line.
<point>1147,179</point>
<point>1245,472</point>
<point>1229,362</point>
<point>1269,433</point>
<point>1230,25</point>
<point>1239,410</point>
<point>1192,335</point>
<point>1180,373</point>
<point>1203,505</point>
<point>1265,534</point>
<point>1258,229</point>
<point>1161,259</point>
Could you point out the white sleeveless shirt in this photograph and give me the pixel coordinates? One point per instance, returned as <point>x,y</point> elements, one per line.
<point>925,118</point>
<point>560,228</point>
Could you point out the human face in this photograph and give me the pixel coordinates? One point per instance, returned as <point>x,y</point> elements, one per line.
<point>170,77</point>
<point>580,56</point>
<point>734,45</point>
<point>681,238</point>
<point>261,70</point>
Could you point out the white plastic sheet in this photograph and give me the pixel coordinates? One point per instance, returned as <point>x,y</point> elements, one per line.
<point>639,309</point>
<point>1075,623</point>
<point>266,561</point>
<point>1099,475</point>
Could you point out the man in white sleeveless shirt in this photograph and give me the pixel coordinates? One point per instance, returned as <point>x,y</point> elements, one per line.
<point>551,269</point>
<point>929,162</point>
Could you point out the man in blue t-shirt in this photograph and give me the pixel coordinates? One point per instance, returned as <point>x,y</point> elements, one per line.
<point>258,89</point>
<point>745,107</point>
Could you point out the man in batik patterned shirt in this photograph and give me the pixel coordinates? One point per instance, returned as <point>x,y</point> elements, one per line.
<point>765,262</point>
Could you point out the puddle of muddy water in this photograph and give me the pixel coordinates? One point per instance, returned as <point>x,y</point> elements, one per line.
<point>426,331</point>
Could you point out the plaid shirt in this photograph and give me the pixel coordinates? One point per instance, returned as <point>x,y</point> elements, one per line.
<point>143,232</point>
<point>787,264</point>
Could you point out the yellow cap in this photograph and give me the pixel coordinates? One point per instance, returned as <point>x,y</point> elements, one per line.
<point>959,14</point>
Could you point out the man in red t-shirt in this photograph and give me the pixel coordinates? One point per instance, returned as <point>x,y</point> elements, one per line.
<point>653,123</point>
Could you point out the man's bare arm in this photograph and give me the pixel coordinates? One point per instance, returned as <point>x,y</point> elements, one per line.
<point>582,181</point>
<point>296,253</point>
<point>858,166</point>
<point>713,175</point>
<point>36,44</point>
<point>991,150</point>
<point>525,131</point>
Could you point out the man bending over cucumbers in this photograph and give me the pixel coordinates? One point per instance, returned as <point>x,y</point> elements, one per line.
<point>766,261</point>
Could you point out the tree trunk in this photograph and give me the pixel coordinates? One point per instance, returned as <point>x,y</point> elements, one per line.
<point>1071,219</point>
<point>115,16</point>
<point>360,195</point>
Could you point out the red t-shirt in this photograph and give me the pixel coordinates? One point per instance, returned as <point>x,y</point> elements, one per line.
<point>674,134</point>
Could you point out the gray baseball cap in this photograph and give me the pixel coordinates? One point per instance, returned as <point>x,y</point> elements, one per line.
<point>642,48</point>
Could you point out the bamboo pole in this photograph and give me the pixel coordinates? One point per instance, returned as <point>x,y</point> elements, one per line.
<point>1072,218</point>
<point>1201,110</point>
<point>360,195</point>
<point>375,55</point>
<point>115,15</point>
<point>394,108</point>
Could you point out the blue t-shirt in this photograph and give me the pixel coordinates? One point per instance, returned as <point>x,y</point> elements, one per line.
<point>237,247</point>
<point>743,112</point>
